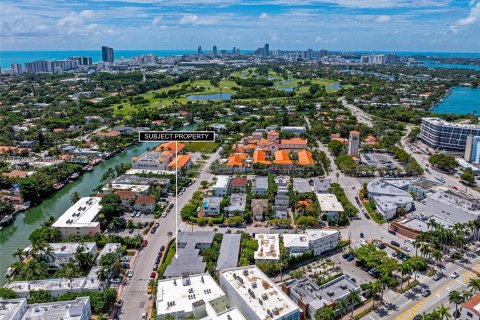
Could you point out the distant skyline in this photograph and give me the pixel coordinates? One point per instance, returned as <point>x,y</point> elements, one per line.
<point>377,25</point>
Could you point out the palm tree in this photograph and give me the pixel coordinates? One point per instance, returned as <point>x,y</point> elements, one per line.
<point>375,288</point>
<point>455,297</point>
<point>406,270</point>
<point>85,260</point>
<point>326,313</point>
<point>474,285</point>
<point>19,253</point>
<point>169,235</point>
<point>342,307</point>
<point>353,299</point>
<point>69,271</point>
<point>75,197</point>
<point>442,312</point>
<point>102,274</point>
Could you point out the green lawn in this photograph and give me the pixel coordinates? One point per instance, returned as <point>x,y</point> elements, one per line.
<point>204,147</point>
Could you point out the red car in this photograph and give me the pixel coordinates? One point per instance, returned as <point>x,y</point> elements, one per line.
<point>455,187</point>
<point>144,243</point>
<point>160,254</point>
<point>153,275</point>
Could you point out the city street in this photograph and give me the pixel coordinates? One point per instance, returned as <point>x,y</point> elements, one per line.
<point>134,293</point>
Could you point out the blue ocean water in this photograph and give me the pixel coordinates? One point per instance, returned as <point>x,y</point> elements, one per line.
<point>462,100</point>
<point>9,57</point>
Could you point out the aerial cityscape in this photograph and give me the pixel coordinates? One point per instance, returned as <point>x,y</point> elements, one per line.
<point>240,160</point>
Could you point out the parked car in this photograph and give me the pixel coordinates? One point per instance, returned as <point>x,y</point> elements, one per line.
<point>405,248</point>
<point>160,254</point>
<point>131,230</point>
<point>133,214</point>
<point>153,230</point>
<point>130,273</point>
<point>157,225</point>
<point>119,303</point>
<point>144,243</point>
<point>155,267</point>
<point>153,275</point>
<point>361,235</point>
<point>395,243</point>
<point>144,315</point>
<point>223,226</point>
<point>437,276</point>
<point>164,215</point>
<point>454,275</point>
<point>381,246</point>
<point>157,260</point>
<point>162,248</point>
<point>350,258</point>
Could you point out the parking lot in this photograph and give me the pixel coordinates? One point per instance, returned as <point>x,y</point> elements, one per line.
<point>353,272</point>
<point>381,160</point>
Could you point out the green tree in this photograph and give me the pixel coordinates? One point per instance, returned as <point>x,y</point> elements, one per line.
<point>456,298</point>
<point>75,197</point>
<point>6,208</point>
<point>7,293</point>
<point>19,253</point>
<point>353,299</point>
<point>325,313</point>
<point>468,176</point>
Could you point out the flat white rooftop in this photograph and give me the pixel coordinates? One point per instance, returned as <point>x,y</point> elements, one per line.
<point>66,310</point>
<point>328,202</point>
<point>316,234</point>
<point>109,247</point>
<point>138,188</point>
<point>81,214</point>
<point>268,247</point>
<point>250,279</point>
<point>222,182</point>
<point>12,308</point>
<point>68,248</point>
<point>181,294</point>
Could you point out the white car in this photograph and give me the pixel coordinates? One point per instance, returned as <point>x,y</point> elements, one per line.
<point>405,248</point>
<point>164,215</point>
<point>130,274</point>
<point>454,275</point>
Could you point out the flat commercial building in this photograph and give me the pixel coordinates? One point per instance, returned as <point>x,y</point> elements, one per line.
<point>389,198</point>
<point>311,297</point>
<point>80,218</point>
<point>329,205</point>
<point>268,247</point>
<point>194,295</point>
<point>18,309</point>
<point>316,240</point>
<point>256,296</point>
<point>440,134</point>
<point>454,206</point>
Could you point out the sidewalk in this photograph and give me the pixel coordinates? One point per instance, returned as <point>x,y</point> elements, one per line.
<point>360,310</point>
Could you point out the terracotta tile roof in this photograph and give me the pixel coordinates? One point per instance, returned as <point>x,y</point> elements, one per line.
<point>354,132</point>
<point>335,135</point>
<point>251,146</point>
<point>236,159</point>
<point>125,194</point>
<point>144,200</point>
<point>109,134</point>
<point>183,159</point>
<point>239,182</point>
<point>370,140</point>
<point>16,174</point>
<point>282,157</point>
<point>15,150</point>
<point>473,304</point>
<point>170,146</point>
<point>273,133</point>
<point>342,140</point>
<point>260,156</point>
<point>294,141</point>
<point>305,158</point>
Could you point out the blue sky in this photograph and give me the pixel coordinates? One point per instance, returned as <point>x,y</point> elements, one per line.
<point>392,25</point>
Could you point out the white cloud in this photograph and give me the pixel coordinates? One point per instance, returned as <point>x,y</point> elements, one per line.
<point>383,19</point>
<point>263,16</point>
<point>195,20</point>
<point>473,17</point>
<point>75,19</point>
<point>157,21</point>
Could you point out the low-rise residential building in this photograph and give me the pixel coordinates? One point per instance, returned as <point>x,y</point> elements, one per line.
<point>189,260</point>
<point>311,297</point>
<point>301,185</point>
<point>282,200</point>
<point>181,161</point>
<point>152,160</point>
<point>470,309</point>
<point>260,185</point>
<point>268,247</point>
<point>80,219</point>
<point>109,248</point>
<point>212,206</point>
<point>321,185</point>
<point>145,204</point>
<point>389,198</point>
<point>316,240</point>
<point>256,296</point>
<point>238,203</point>
<point>18,309</point>
<point>259,208</point>
<point>239,184</point>
<point>136,188</point>
<point>282,184</point>
<point>220,189</point>
<point>197,296</point>
<point>229,251</point>
<point>172,146</point>
<point>329,205</point>
<point>280,212</point>
<point>295,130</point>
<point>454,206</point>
<point>127,197</point>
<point>59,253</point>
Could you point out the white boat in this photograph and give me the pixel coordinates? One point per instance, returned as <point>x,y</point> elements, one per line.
<point>10,272</point>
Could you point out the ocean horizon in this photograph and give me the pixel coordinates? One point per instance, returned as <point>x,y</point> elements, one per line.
<point>9,57</point>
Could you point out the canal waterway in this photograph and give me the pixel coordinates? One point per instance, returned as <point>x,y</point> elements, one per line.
<point>16,234</point>
<point>461,100</point>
